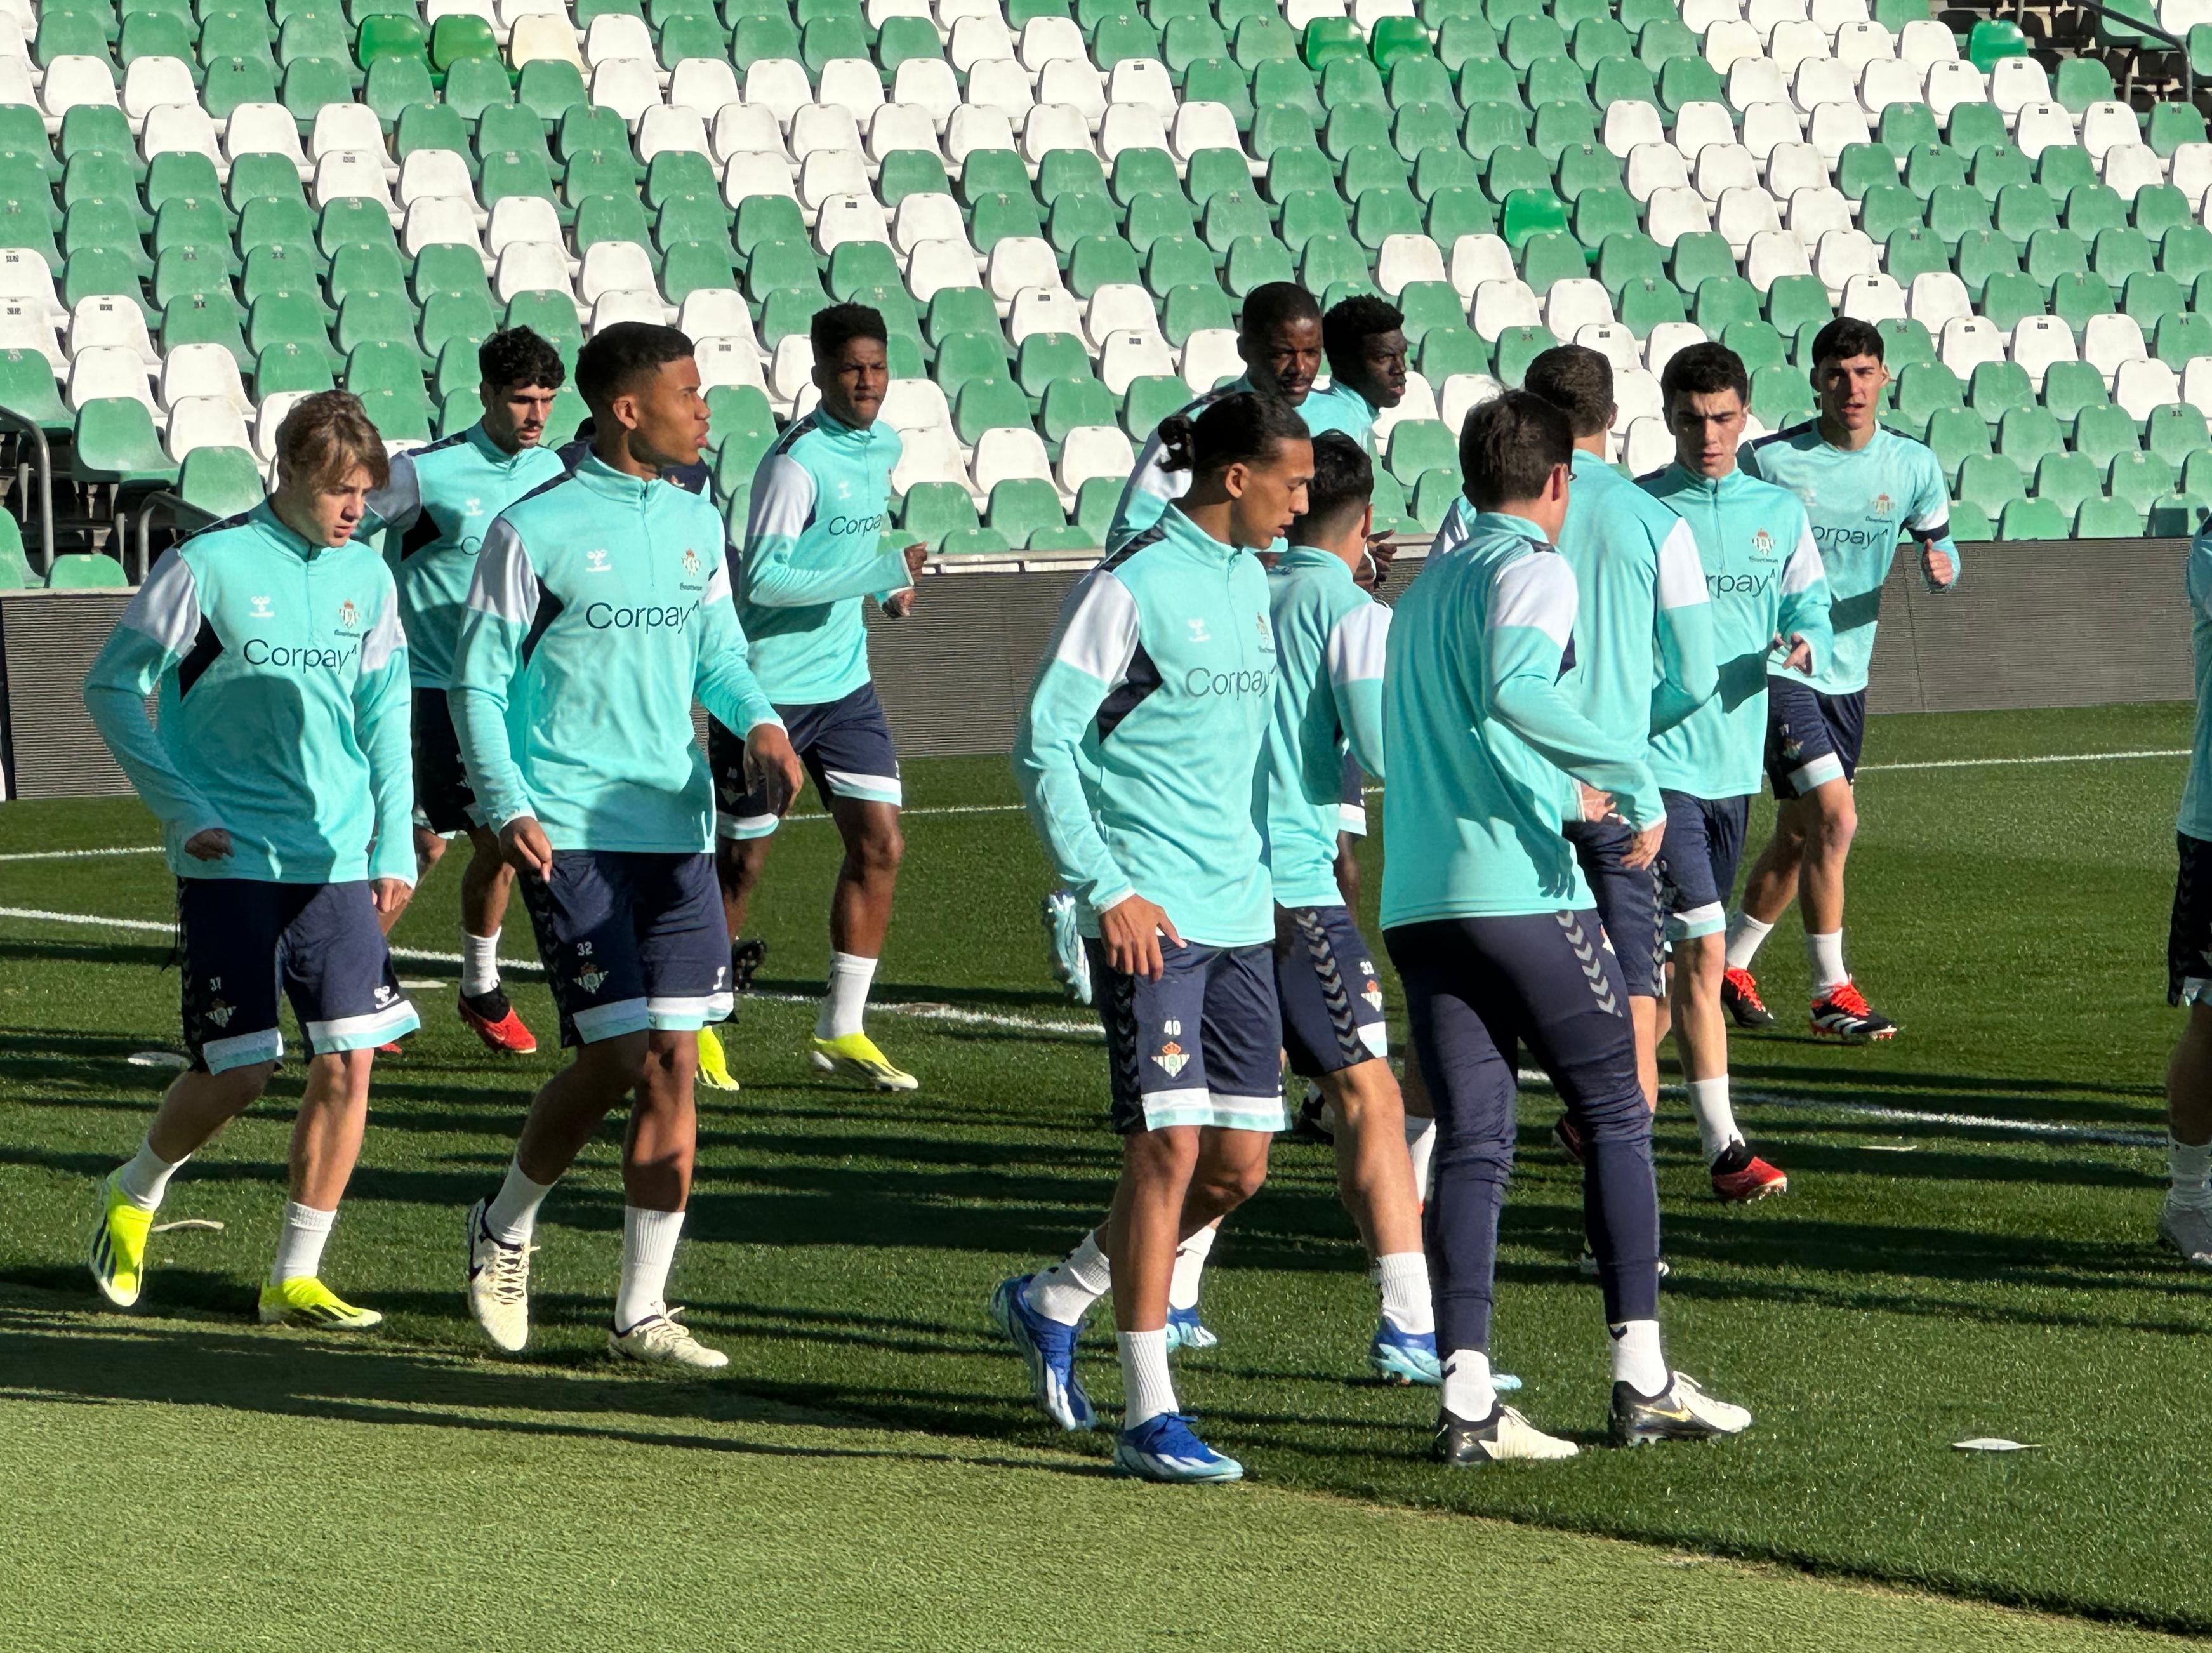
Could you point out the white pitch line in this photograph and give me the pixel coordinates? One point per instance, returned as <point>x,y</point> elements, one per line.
<point>2006,763</point>
<point>79,855</point>
<point>924,1011</point>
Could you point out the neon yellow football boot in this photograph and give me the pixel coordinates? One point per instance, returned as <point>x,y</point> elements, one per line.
<point>855,1056</point>
<point>119,1246</point>
<point>303,1300</point>
<point>715,1066</point>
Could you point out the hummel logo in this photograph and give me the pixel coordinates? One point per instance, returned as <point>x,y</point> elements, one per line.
<point>595,561</point>
<point>262,610</point>
<point>844,490</point>
<point>1199,633</point>
<point>472,507</point>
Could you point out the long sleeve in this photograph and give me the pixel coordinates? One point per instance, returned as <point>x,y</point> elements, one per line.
<point>1357,645</point>
<point>152,634</point>
<point>503,598</point>
<point>1153,488</point>
<point>1097,641</point>
<point>1929,521</point>
<point>397,504</point>
<point>783,501</point>
<point>383,718</point>
<point>724,679</point>
<point>1806,599</point>
<point>1532,615</point>
<point>1682,632</point>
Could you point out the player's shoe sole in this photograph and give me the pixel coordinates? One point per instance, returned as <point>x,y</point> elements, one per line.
<point>855,1056</point>
<point>1740,999</point>
<point>303,1300</point>
<point>505,1033</point>
<point>118,1259</point>
<point>1504,1437</point>
<point>714,1062</point>
<point>1070,963</point>
<point>1683,1412</point>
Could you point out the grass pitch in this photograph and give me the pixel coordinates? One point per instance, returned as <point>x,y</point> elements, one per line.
<point>1967,1251</point>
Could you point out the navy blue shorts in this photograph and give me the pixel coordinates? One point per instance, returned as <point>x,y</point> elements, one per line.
<point>1627,902</point>
<point>443,800</point>
<point>631,940</point>
<point>1811,739</point>
<point>845,745</point>
<point>1331,998</point>
<point>2188,939</point>
<point>1697,861</point>
<point>1201,1046</point>
<point>244,942</point>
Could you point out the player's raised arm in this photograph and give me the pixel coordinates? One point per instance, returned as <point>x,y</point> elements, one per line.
<point>1682,633</point>
<point>503,599</point>
<point>154,633</point>
<point>783,503</point>
<point>1099,634</point>
<point>397,506</point>
<point>383,718</point>
<point>1532,616</point>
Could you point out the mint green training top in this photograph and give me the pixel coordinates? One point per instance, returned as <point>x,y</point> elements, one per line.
<point>1329,641</point>
<point>814,548</point>
<point>436,508</point>
<point>1140,752</point>
<point>2197,793</point>
<point>1763,574</point>
<point>1859,504</point>
<point>600,606</point>
<point>281,671</point>
<point>1643,637</point>
<point>1480,736</point>
<point>1340,407</point>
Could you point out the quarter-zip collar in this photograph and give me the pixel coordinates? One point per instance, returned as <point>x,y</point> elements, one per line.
<point>490,452</point>
<point>1310,556</point>
<point>265,514</point>
<point>603,479</point>
<point>1195,539</point>
<point>853,436</point>
<point>1688,480</point>
<point>1504,522</point>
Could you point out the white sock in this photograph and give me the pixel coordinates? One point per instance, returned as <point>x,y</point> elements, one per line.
<point>512,1213</point>
<point>1467,1390</point>
<point>1420,1146</point>
<point>1708,1101</point>
<point>649,1248</point>
<point>145,1179</point>
<point>479,964</point>
<point>1144,1377</point>
<point>1190,1267</point>
<point>1636,1360</point>
<point>1066,1291</point>
<point>849,977</point>
<point>1826,954</point>
<point>2189,1168</point>
<point>1404,1278</point>
<point>300,1249</point>
<point>1745,933</point>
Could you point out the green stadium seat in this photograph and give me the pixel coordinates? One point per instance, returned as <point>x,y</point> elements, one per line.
<point>1924,389</point>
<point>934,509</point>
<point>2181,338</point>
<point>2027,435</point>
<point>1416,446</point>
<point>2159,209</point>
<point>1955,436</point>
<point>2035,519</point>
<point>1516,347</point>
<point>1990,483</point>
<point>2179,516</point>
<point>2108,518</point>
<point>114,442</point>
<point>82,570</point>
<point>1149,399</point>
<point>2175,432</point>
<point>1023,506</point>
<point>2104,432</point>
<point>1254,261</point>
<point>27,388</point>
<point>221,481</point>
<point>2171,126</point>
<point>2142,479</point>
<point>1070,403</point>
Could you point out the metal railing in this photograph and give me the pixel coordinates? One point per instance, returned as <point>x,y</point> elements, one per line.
<point>43,467</point>
<point>181,511</point>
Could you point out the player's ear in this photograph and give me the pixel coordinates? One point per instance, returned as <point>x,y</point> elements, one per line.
<point>1236,479</point>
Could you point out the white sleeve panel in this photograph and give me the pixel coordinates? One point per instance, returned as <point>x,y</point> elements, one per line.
<point>1804,569</point>
<point>1538,592</point>
<point>1356,644</point>
<point>504,584</point>
<point>1100,635</point>
<point>385,638</point>
<point>1681,571</point>
<point>783,499</point>
<point>168,606</point>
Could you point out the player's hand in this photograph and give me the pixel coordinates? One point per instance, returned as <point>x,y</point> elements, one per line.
<point>208,844</point>
<point>1799,657</point>
<point>1132,929</point>
<point>915,557</point>
<point>1935,562</point>
<point>769,758</point>
<point>1644,849</point>
<point>391,896</point>
<point>523,845</point>
<point>1381,551</point>
<point>1596,805</point>
<point>899,603</point>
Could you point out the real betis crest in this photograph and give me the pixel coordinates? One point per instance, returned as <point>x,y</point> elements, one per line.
<point>1173,1058</point>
